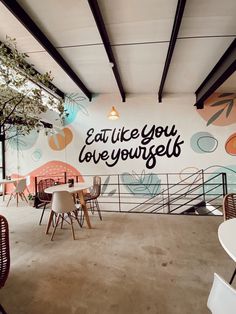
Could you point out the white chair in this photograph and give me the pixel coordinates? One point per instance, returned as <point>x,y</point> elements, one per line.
<point>19,191</point>
<point>222,298</point>
<point>63,204</point>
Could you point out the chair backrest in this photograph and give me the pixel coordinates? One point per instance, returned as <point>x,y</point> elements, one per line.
<point>4,251</point>
<point>63,202</point>
<point>42,185</point>
<point>222,298</point>
<point>21,186</point>
<point>229,206</point>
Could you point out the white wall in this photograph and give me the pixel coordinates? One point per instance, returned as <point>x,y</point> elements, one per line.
<point>137,111</point>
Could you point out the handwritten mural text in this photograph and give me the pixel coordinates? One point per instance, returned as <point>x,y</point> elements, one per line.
<point>148,148</point>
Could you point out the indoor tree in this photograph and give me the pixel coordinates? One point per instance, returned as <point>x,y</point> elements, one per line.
<point>22,93</point>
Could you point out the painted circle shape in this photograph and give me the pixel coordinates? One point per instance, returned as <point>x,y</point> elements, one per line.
<point>186,172</point>
<point>203,142</point>
<point>61,139</point>
<point>36,155</point>
<point>230,145</point>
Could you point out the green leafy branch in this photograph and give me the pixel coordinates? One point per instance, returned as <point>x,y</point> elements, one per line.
<point>229,103</point>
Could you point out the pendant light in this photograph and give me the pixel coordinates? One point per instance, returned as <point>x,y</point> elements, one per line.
<point>114,114</point>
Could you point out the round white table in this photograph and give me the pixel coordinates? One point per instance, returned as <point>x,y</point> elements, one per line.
<point>77,188</point>
<point>227,238</point>
<point>65,187</point>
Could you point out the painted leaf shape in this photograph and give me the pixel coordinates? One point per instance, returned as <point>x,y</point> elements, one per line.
<point>220,102</point>
<point>230,107</point>
<point>112,192</point>
<point>225,94</point>
<point>105,184</point>
<point>215,116</point>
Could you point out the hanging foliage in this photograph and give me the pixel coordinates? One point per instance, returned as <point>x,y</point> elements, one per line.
<point>22,98</point>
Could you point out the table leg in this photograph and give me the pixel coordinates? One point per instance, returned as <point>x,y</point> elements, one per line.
<point>84,207</point>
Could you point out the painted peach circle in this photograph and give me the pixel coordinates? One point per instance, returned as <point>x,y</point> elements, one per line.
<point>230,145</point>
<point>219,104</point>
<point>60,140</point>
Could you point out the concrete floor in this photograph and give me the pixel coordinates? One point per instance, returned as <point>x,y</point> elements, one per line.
<point>127,264</point>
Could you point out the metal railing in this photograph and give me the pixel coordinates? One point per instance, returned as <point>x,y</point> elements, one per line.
<point>158,193</point>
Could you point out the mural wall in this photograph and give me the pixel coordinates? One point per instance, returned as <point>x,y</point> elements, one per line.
<point>148,138</point>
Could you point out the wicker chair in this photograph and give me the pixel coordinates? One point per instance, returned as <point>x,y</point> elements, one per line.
<point>43,197</point>
<point>229,206</point>
<point>229,210</point>
<point>4,254</point>
<point>93,195</point>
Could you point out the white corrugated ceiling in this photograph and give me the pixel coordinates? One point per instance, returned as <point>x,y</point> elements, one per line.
<point>139,32</point>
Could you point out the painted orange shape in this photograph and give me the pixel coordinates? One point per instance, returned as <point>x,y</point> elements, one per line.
<point>52,169</point>
<point>60,140</point>
<point>217,103</point>
<point>230,145</point>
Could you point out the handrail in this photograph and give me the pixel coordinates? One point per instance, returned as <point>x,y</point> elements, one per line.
<point>173,193</point>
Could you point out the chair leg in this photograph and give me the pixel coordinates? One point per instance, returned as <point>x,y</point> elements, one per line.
<point>91,203</point>
<point>98,209</point>
<point>50,220</point>
<point>232,278</point>
<point>2,311</point>
<point>24,197</point>
<point>72,228</point>
<point>41,218</point>
<point>62,220</point>
<point>57,222</point>
<point>9,199</point>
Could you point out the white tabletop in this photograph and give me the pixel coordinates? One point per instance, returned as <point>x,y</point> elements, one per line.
<point>3,181</point>
<point>65,187</point>
<point>227,237</point>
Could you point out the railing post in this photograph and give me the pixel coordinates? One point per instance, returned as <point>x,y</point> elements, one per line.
<point>203,186</point>
<point>119,192</point>
<point>168,192</point>
<point>224,183</point>
<point>35,185</point>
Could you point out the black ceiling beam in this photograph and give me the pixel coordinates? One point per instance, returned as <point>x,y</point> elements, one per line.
<point>49,88</point>
<point>175,30</point>
<point>14,7</point>
<point>220,73</point>
<point>106,42</point>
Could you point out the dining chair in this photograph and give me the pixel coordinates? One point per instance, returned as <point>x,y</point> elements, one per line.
<point>229,211</point>
<point>18,191</point>
<point>222,297</point>
<point>64,208</point>
<point>229,206</point>
<point>4,254</point>
<point>92,195</point>
<point>43,197</point>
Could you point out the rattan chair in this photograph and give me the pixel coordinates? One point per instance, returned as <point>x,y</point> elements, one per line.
<point>229,210</point>
<point>4,254</point>
<point>229,206</point>
<point>92,196</point>
<point>43,197</point>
